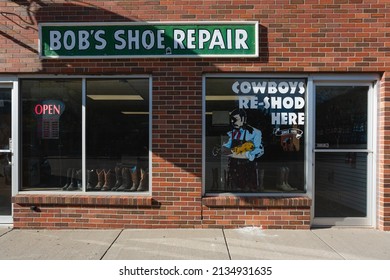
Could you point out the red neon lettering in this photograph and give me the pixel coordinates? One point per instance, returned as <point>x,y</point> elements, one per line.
<point>38,109</point>
<point>57,109</point>
<point>45,109</point>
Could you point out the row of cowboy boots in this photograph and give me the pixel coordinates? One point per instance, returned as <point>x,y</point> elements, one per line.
<point>121,179</point>
<point>73,180</point>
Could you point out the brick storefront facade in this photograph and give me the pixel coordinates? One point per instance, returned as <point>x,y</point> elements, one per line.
<point>295,37</point>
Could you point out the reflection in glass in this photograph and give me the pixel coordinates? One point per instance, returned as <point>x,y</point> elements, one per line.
<point>5,167</point>
<point>341,184</point>
<point>341,117</point>
<point>255,138</point>
<point>117,135</point>
<point>51,134</point>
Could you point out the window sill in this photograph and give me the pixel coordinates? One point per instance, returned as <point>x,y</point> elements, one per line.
<point>85,200</point>
<point>257,202</point>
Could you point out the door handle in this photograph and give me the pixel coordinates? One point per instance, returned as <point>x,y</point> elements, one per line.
<point>9,159</point>
<point>8,156</point>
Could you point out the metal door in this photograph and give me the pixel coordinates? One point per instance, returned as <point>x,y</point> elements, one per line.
<point>6,154</point>
<point>343,155</point>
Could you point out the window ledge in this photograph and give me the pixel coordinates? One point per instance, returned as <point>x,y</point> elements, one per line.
<point>258,202</point>
<point>101,200</point>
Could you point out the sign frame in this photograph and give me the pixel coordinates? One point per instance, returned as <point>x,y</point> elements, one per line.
<point>253,52</point>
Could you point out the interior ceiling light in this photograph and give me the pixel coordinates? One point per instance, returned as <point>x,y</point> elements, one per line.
<point>134,113</point>
<point>221,97</point>
<point>115,97</point>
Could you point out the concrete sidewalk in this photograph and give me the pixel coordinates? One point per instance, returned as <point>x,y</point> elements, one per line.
<point>195,244</point>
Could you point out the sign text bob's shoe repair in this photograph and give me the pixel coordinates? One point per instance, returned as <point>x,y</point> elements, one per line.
<point>160,39</point>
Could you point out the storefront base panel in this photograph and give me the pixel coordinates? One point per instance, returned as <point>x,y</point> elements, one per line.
<point>267,213</point>
<point>113,212</point>
<point>99,212</point>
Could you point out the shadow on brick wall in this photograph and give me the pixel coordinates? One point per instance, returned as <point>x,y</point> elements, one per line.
<point>42,11</point>
<point>23,19</point>
<point>28,13</point>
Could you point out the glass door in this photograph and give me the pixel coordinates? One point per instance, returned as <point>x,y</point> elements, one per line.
<point>343,155</point>
<point>5,153</point>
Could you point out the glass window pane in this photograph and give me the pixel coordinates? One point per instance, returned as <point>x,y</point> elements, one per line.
<point>255,135</point>
<point>117,135</point>
<point>5,158</point>
<point>341,117</point>
<point>5,118</point>
<point>341,184</point>
<point>51,134</point>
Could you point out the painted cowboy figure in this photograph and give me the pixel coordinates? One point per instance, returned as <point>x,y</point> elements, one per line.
<point>245,144</point>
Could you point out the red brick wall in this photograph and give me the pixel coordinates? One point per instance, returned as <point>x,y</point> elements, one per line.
<point>383,178</point>
<point>267,213</point>
<point>83,211</point>
<point>295,36</point>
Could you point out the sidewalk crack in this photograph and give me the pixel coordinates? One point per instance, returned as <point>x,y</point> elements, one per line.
<point>334,250</point>
<point>10,229</point>
<point>112,243</point>
<point>227,245</point>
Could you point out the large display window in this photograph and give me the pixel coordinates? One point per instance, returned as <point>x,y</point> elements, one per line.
<point>51,132</point>
<point>254,135</point>
<point>117,135</point>
<point>85,134</point>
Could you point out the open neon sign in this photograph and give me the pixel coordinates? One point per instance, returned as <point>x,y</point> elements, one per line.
<point>49,108</point>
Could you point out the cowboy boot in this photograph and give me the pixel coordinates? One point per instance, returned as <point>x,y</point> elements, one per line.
<point>134,178</point>
<point>73,184</point>
<point>226,180</point>
<point>92,179</point>
<point>118,176</point>
<point>144,181</point>
<point>100,176</point>
<point>68,179</point>
<point>260,179</point>
<point>126,180</point>
<point>109,180</point>
<point>286,183</point>
<point>78,179</point>
<point>280,178</point>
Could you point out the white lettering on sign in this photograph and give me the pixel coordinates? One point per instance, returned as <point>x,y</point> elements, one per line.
<point>214,38</point>
<point>275,96</point>
<point>285,118</point>
<point>160,39</point>
<point>148,39</point>
<point>236,39</point>
<point>76,40</point>
<point>178,37</point>
<point>133,39</point>
<point>55,37</point>
<point>217,40</point>
<point>102,42</point>
<point>204,36</point>
<point>241,37</point>
<point>84,40</point>
<point>268,87</point>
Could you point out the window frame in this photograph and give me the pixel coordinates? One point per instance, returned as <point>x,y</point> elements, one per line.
<point>83,132</point>
<point>372,82</point>
<point>312,81</point>
<point>250,75</point>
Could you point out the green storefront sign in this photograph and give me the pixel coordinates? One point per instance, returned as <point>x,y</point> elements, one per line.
<point>174,39</point>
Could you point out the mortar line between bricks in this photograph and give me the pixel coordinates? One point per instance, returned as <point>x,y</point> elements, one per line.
<point>112,243</point>
<point>227,245</point>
